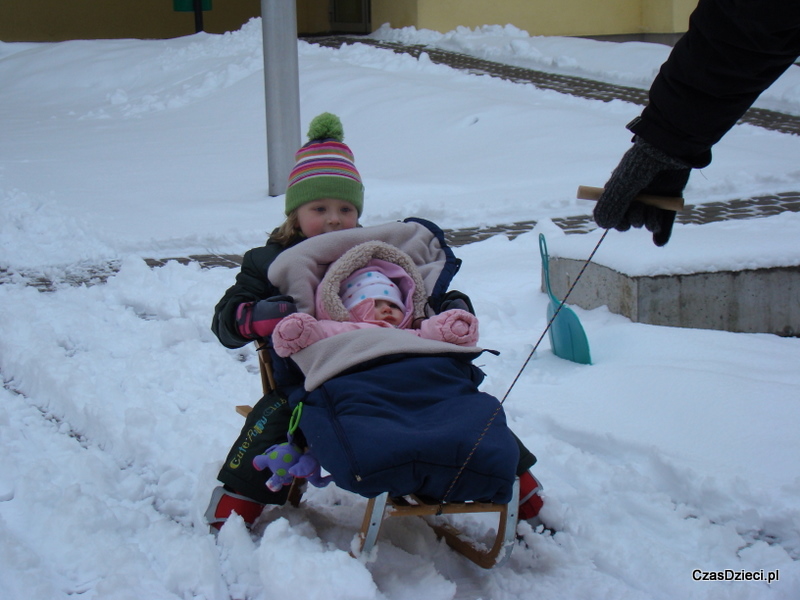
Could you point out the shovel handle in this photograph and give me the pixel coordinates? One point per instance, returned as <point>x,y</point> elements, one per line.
<point>674,203</point>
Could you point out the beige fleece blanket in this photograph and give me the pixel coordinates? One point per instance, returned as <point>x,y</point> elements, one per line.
<point>298,271</point>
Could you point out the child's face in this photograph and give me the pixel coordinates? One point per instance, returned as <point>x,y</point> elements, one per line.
<point>388,312</point>
<point>326,215</point>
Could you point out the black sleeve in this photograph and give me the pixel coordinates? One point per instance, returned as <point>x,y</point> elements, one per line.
<point>733,51</point>
<point>251,285</point>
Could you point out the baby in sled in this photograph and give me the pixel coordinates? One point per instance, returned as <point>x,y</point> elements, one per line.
<point>380,294</point>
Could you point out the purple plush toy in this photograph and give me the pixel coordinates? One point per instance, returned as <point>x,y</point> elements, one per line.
<point>287,461</point>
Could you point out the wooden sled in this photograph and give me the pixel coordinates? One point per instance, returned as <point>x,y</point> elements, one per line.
<point>411,506</point>
<point>384,506</point>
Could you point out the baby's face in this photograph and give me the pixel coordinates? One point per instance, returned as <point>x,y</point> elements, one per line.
<point>388,312</point>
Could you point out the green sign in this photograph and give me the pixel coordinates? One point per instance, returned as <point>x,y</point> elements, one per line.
<point>188,5</point>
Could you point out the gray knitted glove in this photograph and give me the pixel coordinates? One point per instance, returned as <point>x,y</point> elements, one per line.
<point>644,169</point>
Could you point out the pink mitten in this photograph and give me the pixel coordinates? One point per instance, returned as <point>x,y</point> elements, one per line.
<point>295,332</point>
<point>455,326</point>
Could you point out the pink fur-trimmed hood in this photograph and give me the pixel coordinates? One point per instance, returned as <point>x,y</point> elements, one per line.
<point>373,255</point>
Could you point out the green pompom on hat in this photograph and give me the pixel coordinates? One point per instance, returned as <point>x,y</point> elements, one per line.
<point>324,167</point>
<point>326,126</point>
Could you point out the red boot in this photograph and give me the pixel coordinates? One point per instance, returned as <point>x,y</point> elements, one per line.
<point>224,502</point>
<point>530,501</point>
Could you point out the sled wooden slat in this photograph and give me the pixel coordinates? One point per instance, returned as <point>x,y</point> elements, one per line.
<point>384,506</point>
<point>244,409</point>
<point>674,203</point>
<point>265,366</point>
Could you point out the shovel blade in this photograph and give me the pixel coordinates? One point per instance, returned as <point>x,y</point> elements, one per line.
<point>567,337</point>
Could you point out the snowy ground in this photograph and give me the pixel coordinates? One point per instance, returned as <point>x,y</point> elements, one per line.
<point>676,451</point>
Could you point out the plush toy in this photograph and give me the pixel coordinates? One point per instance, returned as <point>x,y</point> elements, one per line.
<point>287,461</point>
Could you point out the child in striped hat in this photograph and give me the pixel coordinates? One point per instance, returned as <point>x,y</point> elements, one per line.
<point>325,192</point>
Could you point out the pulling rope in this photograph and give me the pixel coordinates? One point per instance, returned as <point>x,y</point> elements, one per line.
<point>519,374</point>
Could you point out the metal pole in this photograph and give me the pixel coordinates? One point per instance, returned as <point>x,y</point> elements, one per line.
<point>198,16</point>
<point>282,89</point>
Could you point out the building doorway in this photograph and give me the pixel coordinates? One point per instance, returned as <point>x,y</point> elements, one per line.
<point>350,16</point>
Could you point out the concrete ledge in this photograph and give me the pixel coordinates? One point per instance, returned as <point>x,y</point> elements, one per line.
<point>750,301</point>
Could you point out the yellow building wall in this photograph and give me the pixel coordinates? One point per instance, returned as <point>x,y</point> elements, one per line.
<point>660,16</point>
<point>57,20</point>
<point>539,17</point>
<point>402,13</point>
<point>313,16</point>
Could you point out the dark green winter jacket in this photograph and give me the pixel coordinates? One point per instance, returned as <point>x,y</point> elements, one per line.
<point>251,285</point>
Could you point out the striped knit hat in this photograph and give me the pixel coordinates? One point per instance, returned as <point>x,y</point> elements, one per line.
<point>324,167</point>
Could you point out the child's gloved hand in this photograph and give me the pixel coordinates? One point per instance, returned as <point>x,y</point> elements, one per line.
<point>453,326</point>
<point>455,299</point>
<point>295,332</point>
<point>258,319</point>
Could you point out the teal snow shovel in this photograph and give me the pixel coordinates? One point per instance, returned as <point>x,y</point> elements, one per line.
<point>567,337</point>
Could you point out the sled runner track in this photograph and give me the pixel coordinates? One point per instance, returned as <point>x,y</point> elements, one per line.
<point>565,84</point>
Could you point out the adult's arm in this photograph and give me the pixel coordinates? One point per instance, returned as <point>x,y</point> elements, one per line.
<point>732,51</point>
